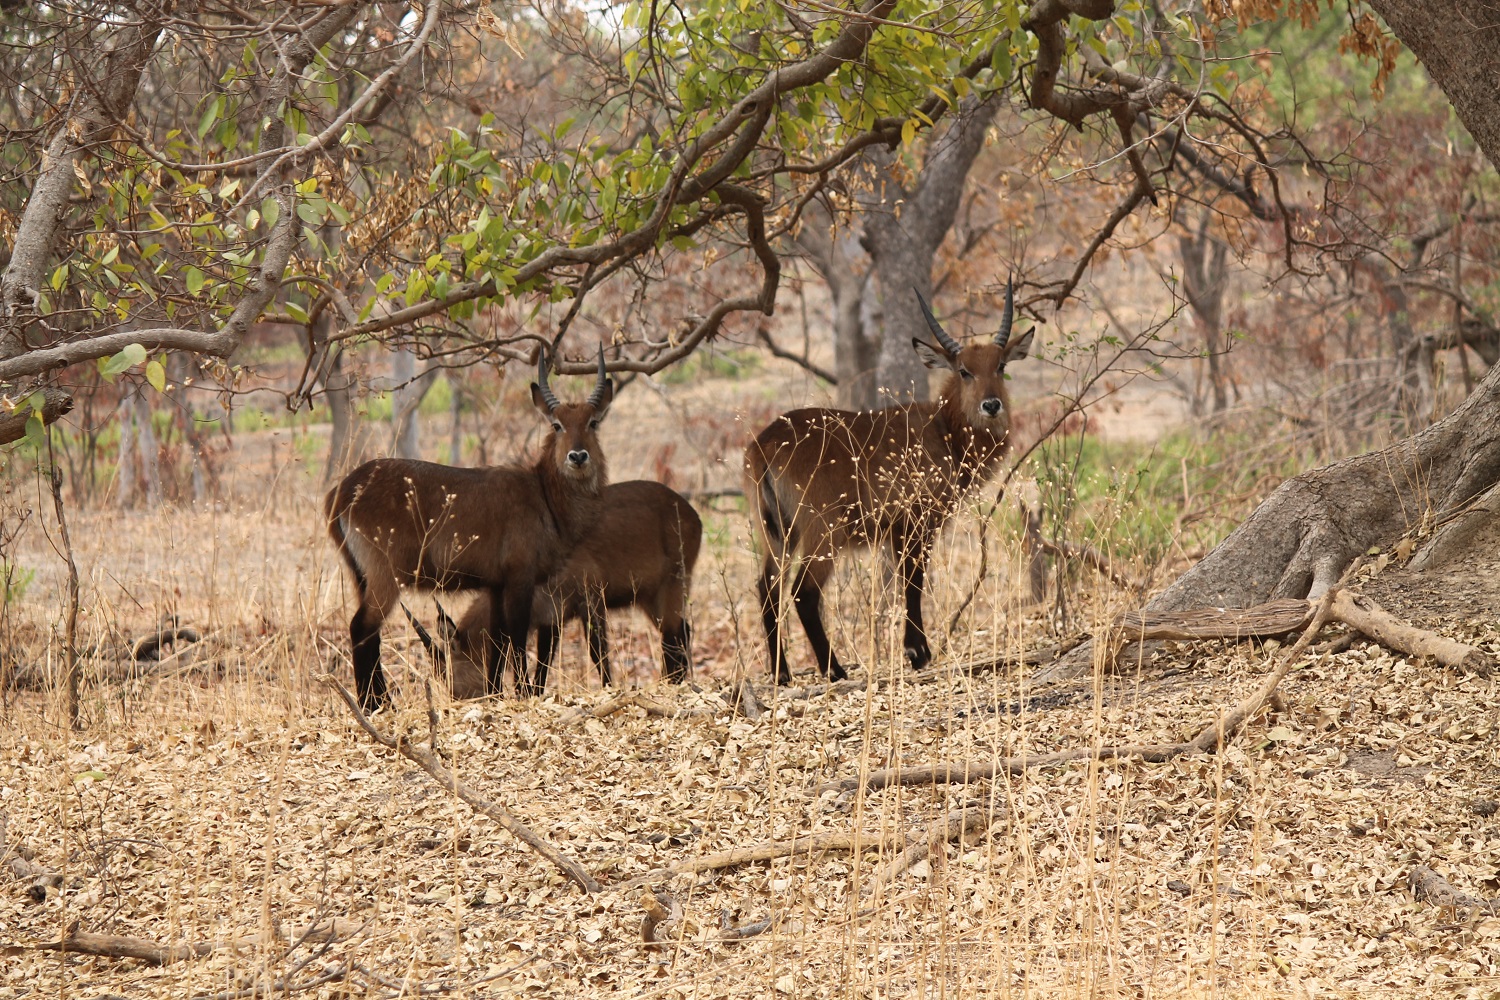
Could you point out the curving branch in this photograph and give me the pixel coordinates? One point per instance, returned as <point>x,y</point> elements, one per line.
<point>89,122</point>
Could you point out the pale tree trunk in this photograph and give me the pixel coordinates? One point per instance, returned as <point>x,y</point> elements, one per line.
<point>349,441</point>
<point>125,485</point>
<point>1204,275</point>
<point>839,260</point>
<point>406,401</point>
<point>456,431</point>
<point>904,237</point>
<point>147,452</point>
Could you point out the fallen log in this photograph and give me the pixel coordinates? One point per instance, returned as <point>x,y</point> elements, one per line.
<point>770,850</point>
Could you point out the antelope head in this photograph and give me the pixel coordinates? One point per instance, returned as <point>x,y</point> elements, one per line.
<point>573,444</point>
<point>975,391</point>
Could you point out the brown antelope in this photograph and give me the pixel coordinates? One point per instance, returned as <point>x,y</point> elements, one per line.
<point>822,481</point>
<point>503,530</point>
<point>641,553</point>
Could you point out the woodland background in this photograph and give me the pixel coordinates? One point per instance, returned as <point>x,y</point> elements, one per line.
<point>247,248</point>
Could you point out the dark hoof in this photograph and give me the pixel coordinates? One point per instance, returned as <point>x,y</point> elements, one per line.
<point>837,673</point>
<point>918,656</point>
<point>781,677</point>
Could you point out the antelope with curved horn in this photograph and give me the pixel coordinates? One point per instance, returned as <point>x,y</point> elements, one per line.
<point>502,530</point>
<point>823,481</point>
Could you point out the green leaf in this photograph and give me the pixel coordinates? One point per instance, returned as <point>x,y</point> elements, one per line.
<point>156,374</point>
<point>270,210</point>
<point>36,432</point>
<point>132,355</point>
<point>193,278</point>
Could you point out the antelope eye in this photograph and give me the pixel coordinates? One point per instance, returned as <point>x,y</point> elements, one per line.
<point>593,425</point>
<point>968,376</point>
<point>557,426</point>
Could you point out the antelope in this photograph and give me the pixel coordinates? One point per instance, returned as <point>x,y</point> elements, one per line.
<point>641,553</point>
<point>502,530</point>
<point>823,481</point>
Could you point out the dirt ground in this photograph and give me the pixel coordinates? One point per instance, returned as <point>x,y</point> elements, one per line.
<point>225,796</point>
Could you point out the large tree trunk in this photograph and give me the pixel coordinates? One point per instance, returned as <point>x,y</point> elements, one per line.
<point>349,441</point>
<point>406,400</point>
<point>836,255</point>
<point>1458,42</point>
<point>1308,531</point>
<point>904,237</point>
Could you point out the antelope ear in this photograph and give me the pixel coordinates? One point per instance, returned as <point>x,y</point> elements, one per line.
<point>539,402</point>
<point>932,357</point>
<point>1018,349</point>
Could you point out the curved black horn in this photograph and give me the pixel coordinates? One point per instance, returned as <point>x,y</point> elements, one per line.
<point>542,367</point>
<point>1008,315</point>
<point>597,396</point>
<point>949,344</point>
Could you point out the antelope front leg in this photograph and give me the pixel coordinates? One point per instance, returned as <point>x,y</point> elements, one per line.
<point>913,574</point>
<point>515,630</point>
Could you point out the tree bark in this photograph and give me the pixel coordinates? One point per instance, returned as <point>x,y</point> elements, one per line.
<point>55,402</point>
<point>406,399</point>
<point>1458,42</point>
<point>349,440</point>
<point>836,255</point>
<point>104,102</point>
<point>905,236</point>
<point>1298,542</point>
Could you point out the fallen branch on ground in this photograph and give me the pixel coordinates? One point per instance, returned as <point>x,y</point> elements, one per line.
<point>957,824</point>
<point>770,850</point>
<point>448,780</point>
<point>113,946</point>
<point>1210,739</point>
<point>624,700</point>
<point>1365,616</point>
<point>1427,886</point>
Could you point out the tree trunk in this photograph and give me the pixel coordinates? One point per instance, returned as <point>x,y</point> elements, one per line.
<point>1455,40</point>
<point>903,236</point>
<point>1306,533</point>
<point>1204,274</point>
<point>406,400</point>
<point>456,434</point>
<point>349,440</point>
<point>836,255</point>
<point>1298,542</point>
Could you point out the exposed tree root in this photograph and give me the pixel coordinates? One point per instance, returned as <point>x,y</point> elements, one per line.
<point>428,762</point>
<point>1365,616</point>
<point>1209,740</point>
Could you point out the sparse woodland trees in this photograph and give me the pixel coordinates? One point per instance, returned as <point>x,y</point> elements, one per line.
<point>420,176</point>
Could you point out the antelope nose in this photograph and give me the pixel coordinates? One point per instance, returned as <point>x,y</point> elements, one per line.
<point>578,457</point>
<point>990,406</point>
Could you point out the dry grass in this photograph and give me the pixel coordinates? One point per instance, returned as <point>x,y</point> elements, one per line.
<point>225,794</point>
